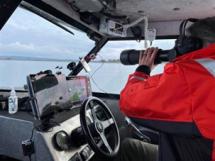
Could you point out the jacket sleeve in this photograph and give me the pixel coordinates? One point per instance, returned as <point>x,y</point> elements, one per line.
<point>160,97</point>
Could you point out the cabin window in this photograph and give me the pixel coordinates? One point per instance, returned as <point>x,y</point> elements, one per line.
<point>30,44</point>
<point>109,75</point>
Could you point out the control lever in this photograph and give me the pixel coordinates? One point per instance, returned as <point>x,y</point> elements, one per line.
<point>138,132</point>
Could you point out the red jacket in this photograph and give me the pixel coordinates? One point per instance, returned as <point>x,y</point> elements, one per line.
<point>185,92</point>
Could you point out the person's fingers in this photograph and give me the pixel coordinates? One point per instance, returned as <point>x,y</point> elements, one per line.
<point>141,56</point>
<point>148,55</point>
<point>147,51</point>
<point>154,53</point>
<point>152,57</point>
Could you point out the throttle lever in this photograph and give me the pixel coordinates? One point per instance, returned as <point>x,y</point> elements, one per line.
<point>138,132</point>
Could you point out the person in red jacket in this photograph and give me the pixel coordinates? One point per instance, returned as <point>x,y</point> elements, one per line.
<point>184,92</point>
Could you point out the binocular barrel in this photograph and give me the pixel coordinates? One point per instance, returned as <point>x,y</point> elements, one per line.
<point>131,57</point>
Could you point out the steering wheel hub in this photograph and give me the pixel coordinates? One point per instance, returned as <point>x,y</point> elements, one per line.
<point>99,127</point>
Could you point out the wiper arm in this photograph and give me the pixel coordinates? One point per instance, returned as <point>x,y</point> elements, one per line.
<point>49,18</point>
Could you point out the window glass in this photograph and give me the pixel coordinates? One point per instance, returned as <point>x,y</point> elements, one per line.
<point>109,75</point>
<point>30,44</point>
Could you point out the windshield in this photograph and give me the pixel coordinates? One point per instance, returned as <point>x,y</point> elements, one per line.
<point>108,75</point>
<point>30,44</point>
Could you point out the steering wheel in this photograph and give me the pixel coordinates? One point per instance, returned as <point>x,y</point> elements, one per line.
<point>100,127</point>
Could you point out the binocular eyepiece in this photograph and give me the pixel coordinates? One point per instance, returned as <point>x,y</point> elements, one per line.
<point>131,57</point>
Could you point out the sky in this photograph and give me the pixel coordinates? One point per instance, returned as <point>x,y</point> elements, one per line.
<point>28,35</point>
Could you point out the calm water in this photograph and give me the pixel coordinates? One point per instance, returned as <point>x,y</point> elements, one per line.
<point>107,77</point>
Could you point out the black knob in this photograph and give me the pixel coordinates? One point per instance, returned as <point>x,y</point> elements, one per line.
<point>71,66</point>
<point>77,137</point>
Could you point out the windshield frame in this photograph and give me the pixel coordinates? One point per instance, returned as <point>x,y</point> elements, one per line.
<point>55,16</point>
<point>93,48</point>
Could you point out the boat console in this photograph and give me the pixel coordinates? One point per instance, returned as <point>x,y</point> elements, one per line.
<point>50,125</point>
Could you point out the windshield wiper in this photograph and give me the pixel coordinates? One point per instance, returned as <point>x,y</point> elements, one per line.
<point>44,15</point>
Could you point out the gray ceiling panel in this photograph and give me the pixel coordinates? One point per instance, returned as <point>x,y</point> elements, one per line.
<point>165,10</point>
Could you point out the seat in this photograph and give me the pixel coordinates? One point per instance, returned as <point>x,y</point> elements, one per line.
<point>179,141</point>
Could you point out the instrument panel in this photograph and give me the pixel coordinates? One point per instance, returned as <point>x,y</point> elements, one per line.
<point>67,152</point>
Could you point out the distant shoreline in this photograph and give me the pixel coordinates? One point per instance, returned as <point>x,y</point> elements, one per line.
<point>36,59</point>
<point>14,58</point>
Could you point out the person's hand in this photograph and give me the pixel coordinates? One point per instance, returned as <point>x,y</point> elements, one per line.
<point>148,56</point>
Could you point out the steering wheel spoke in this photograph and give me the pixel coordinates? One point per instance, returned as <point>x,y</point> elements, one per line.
<point>105,142</point>
<point>93,113</point>
<point>100,143</point>
<point>107,123</point>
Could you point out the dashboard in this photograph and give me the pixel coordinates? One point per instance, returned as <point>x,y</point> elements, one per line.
<point>62,145</point>
<point>55,98</point>
<point>52,94</point>
<point>44,144</point>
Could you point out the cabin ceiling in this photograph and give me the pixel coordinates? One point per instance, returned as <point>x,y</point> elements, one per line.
<point>160,10</point>
<point>168,10</point>
<point>164,15</point>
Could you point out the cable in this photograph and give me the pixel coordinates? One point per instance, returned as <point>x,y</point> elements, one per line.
<point>29,158</point>
<point>93,80</point>
<point>28,145</point>
<point>99,67</point>
<point>96,70</point>
<point>101,90</point>
<point>32,134</point>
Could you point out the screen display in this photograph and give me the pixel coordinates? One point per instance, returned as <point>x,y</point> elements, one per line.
<point>78,89</point>
<point>54,92</point>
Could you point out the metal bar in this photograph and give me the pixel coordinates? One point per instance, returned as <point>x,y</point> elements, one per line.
<point>7,7</point>
<point>142,38</point>
<point>88,57</point>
